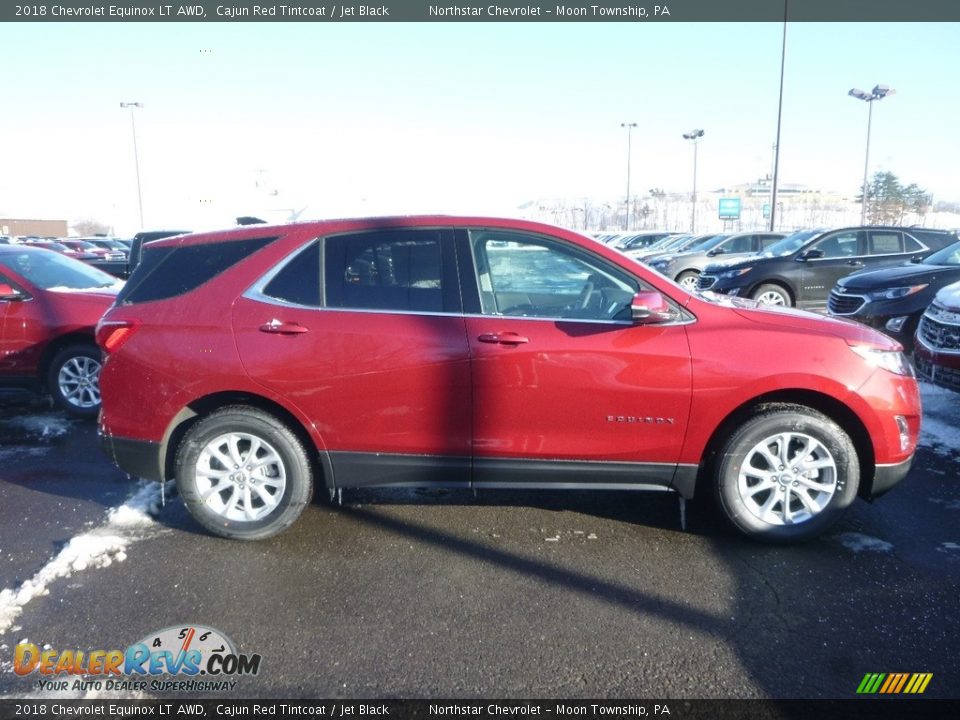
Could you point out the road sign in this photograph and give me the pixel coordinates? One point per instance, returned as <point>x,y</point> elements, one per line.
<point>730,208</point>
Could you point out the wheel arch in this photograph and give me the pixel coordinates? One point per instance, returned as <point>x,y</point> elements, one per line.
<point>829,406</point>
<point>78,337</point>
<point>204,406</point>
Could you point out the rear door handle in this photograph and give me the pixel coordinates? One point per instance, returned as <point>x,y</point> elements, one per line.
<point>855,263</point>
<point>283,328</point>
<point>505,338</point>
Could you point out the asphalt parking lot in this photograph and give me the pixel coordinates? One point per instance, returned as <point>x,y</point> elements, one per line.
<point>443,594</point>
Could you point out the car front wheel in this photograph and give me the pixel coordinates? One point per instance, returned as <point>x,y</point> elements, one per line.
<point>73,379</point>
<point>771,294</point>
<point>243,474</point>
<point>688,280</point>
<point>787,474</point>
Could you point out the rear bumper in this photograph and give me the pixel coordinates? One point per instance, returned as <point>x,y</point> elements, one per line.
<point>887,476</point>
<point>140,458</point>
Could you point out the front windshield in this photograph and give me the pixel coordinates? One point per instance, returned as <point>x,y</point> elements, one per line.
<point>950,255</point>
<point>791,243</point>
<point>50,270</point>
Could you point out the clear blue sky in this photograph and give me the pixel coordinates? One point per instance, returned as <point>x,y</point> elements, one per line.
<point>454,117</point>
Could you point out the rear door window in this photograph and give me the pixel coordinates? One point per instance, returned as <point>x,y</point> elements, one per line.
<point>391,270</point>
<point>885,242</point>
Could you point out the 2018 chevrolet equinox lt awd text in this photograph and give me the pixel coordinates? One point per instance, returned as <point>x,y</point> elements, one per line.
<point>254,363</point>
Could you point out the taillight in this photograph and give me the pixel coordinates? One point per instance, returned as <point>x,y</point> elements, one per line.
<point>111,334</point>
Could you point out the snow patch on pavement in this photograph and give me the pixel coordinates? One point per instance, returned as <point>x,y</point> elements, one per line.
<point>98,548</point>
<point>21,451</point>
<point>858,542</point>
<point>46,427</point>
<point>940,429</point>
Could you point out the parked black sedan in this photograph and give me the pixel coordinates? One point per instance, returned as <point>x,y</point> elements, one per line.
<point>801,269</point>
<point>892,300</point>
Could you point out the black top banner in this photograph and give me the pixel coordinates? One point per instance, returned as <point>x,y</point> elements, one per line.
<point>466,11</point>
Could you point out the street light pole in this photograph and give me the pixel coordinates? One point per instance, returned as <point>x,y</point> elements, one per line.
<point>694,137</point>
<point>879,92</point>
<point>629,127</point>
<point>136,154</point>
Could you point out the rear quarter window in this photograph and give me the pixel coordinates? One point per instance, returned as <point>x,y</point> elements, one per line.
<point>172,270</point>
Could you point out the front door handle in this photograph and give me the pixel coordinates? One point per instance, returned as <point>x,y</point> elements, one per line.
<point>855,263</point>
<point>283,328</point>
<point>504,338</point>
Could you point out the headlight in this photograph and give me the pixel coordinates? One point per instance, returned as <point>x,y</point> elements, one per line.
<point>729,274</point>
<point>897,292</point>
<point>891,360</point>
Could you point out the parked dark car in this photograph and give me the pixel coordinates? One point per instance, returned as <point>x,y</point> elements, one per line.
<point>893,299</point>
<point>109,244</point>
<point>136,245</point>
<point>937,346</point>
<point>685,266</point>
<point>49,307</point>
<point>436,351</point>
<point>674,243</point>
<point>802,268</point>
<point>688,242</point>
<point>639,240</point>
<point>76,254</point>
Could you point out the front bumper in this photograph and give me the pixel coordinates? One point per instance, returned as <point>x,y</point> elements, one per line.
<point>887,476</point>
<point>140,458</point>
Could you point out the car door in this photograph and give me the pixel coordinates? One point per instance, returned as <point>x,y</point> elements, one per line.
<point>21,332</point>
<point>369,343</point>
<point>566,388</point>
<point>834,256</point>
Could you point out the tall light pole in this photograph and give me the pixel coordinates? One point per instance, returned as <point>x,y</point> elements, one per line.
<point>629,127</point>
<point>776,146</point>
<point>694,137</point>
<point>136,155</point>
<point>879,92</point>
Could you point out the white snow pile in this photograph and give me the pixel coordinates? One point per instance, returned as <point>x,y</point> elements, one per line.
<point>43,426</point>
<point>940,429</point>
<point>858,542</point>
<point>97,548</point>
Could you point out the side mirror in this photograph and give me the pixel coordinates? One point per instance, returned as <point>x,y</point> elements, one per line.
<point>8,292</point>
<point>649,307</point>
<point>716,251</point>
<point>810,255</point>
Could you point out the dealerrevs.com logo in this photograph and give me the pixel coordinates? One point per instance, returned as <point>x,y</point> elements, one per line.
<point>180,651</point>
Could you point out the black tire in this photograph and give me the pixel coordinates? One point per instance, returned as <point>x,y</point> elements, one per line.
<point>772,290</point>
<point>274,489</point>
<point>688,279</point>
<point>777,512</point>
<point>73,379</point>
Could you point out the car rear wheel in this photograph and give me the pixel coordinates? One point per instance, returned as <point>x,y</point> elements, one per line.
<point>771,294</point>
<point>787,474</point>
<point>73,379</point>
<point>243,474</point>
<point>688,280</point>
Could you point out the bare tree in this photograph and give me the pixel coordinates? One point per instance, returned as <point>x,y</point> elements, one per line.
<point>89,226</point>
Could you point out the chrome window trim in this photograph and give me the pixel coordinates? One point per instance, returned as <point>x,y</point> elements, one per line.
<point>267,300</point>
<point>255,291</point>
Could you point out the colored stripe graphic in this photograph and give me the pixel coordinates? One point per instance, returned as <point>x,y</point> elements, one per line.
<point>894,683</point>
<point>870,683</point>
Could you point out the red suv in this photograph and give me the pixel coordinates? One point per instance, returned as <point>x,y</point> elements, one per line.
<point>253,363</point>
<point>49,307</point>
